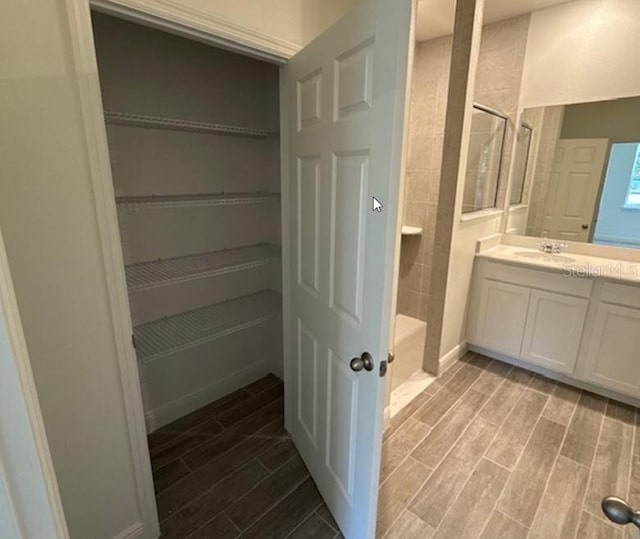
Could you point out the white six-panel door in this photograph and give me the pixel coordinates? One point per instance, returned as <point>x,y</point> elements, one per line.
<point>345,109</point>
<point>573,189</point>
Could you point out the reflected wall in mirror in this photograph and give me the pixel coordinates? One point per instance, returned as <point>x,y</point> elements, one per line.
<point>577,173</point>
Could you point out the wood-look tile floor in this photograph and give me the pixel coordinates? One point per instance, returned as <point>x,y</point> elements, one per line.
<point>495,452</point>
<point>230,470</point>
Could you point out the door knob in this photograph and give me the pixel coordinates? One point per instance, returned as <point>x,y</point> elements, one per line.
<point>585,227</point>
<point>619,511</point>
<point>365,361</point>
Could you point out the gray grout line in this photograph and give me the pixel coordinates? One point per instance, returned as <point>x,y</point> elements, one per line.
<point>497,463</point>
<point>484,456</point>
<point>186,466</point>
<point>276,501</point>
<point>558,454</point>
<point>499,498</point>
<point>593,459</point>
<point>634,440</point>
<point>325,521</point>
<point>515,465</point>
<point>410,501</point>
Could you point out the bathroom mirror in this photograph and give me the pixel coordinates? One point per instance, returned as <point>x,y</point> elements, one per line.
<point>576,175</point>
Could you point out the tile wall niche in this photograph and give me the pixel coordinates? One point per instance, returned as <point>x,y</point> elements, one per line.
<point>498,83</point>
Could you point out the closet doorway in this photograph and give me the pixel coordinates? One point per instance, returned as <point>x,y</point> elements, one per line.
<point>259,271</point>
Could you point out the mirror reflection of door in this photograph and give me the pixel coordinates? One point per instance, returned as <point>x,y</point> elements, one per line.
<point>579,179</point>
<point>573,191</point>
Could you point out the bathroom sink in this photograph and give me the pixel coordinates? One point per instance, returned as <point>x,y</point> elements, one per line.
<point>548,257</point>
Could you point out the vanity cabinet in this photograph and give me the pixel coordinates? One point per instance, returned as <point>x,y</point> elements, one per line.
<point>502,315</point>
<point>613,351</point>
<point>553,330</point>
<point>587,330</point>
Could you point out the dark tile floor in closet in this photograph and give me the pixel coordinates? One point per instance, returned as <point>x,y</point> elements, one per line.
<point>230,470</point>
<point>495,452</point>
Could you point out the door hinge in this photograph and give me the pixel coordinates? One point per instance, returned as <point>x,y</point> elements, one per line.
<point>133,341</point>
<point>383,369</point>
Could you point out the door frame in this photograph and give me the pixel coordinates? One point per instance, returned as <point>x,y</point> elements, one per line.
<point>29,496</point>
<point>171,17</point>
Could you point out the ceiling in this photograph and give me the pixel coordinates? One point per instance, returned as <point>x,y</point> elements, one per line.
<point>435,17</point>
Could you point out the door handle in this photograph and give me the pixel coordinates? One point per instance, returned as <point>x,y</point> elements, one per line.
<point>365,361</point>
<point>585,227</point>
<point>619,511</point>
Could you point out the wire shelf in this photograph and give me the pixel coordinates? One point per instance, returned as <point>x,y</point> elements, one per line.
<point>182,201</point>
<point>173,334</point>
<point>158,122</point>
<point>148,275</point>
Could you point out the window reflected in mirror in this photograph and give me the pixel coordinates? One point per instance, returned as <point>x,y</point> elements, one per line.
<point>485,155</point>
<point>632,200</point>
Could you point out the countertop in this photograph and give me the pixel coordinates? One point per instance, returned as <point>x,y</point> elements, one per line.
<point>581,266</point>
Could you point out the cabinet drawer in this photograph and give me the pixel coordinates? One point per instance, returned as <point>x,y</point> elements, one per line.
<point>621,294</point>
<point>541,279</point>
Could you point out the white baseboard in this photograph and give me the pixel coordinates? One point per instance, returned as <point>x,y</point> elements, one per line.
<point>560,377</point>
<point>188,403</point>
<point>452,356</point>
<point>134,531</point>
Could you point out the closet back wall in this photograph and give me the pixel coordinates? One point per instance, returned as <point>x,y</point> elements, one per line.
<point>213,194</point>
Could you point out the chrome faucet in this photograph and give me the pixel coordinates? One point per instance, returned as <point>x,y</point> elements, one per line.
<point>552,247</point>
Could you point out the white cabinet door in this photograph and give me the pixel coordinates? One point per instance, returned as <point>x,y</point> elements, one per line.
<point>501,317</point>
<point>613,357</point>
<point>554,330</point>
<point>346,102</point>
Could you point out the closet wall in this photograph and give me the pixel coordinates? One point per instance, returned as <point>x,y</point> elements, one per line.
<point>194,147</point>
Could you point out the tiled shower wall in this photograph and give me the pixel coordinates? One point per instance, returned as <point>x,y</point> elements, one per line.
<point>498,82</point>
<point>426,136</point>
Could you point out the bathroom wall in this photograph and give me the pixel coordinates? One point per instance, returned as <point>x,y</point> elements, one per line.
<point>426,135</point>
<point>582,51</point>
<point>546,123</point>
<point>502,50</point>
<point>497,86</point>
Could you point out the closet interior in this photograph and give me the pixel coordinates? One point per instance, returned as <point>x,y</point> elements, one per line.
<point>193,134</point>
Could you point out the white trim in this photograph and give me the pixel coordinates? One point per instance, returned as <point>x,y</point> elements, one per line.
<point>132,532</point>
<point>90,101</point>
<point>480,214</point>
<point>452,356</point>
<point>173,17</point>
<point>620,241</point>
<point>560,377</point>
<point>285,256</point>
<point>188,403</point>
<point>29,474</point>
